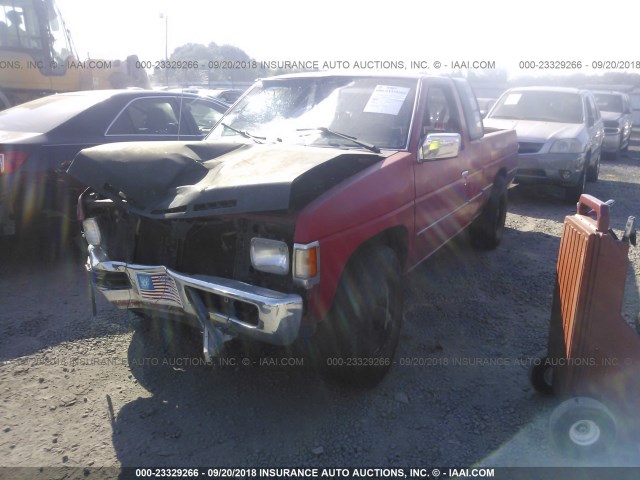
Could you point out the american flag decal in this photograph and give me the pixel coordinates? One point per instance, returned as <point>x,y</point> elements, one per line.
<point>158,286</point>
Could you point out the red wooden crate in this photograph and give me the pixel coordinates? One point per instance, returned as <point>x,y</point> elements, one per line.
<point>593,354</point>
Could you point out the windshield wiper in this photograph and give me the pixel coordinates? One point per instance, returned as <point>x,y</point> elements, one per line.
<point>325,130</point>
<point>245,134</point>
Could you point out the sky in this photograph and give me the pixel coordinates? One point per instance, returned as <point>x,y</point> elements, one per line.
<point>503,32</point>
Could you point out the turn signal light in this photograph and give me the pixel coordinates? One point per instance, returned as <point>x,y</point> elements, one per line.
<point>306,268</point>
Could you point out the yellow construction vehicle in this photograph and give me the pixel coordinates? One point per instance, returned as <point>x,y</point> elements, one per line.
<point>37,56</point>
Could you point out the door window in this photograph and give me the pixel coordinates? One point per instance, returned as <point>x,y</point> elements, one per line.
<point>470,109</point>
<point>146,116</point>
<point>204,114</point>
<point>441,114</point>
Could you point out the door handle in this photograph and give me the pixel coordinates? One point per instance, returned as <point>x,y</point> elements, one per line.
<point>465,174</point>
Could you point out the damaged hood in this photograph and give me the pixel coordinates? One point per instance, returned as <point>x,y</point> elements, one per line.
<point>195,179</point>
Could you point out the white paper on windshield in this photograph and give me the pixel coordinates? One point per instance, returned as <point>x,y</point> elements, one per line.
<point>386,99</point>
<point>513,99</point>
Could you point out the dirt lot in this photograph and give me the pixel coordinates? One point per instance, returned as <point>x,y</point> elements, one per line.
<point>78,391</point>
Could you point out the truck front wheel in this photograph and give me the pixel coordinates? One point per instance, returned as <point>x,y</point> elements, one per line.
<point>358,339</point>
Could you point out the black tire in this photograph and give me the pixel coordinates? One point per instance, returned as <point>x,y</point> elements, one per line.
<point>541,375</point>
<point>593,172</point>
<point>583,427</point>
<point>357,341</point>
<point>487,230</point>
<point>572,193</point>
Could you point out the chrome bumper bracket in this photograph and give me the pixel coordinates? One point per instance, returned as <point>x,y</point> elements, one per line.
<point>278,315</point>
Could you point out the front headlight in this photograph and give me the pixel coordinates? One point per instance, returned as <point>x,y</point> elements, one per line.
<point>566,146</point>
<point>92,232</point>
<point>270,256</point>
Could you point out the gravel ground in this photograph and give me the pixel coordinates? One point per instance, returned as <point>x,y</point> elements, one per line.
<point>78,392</point>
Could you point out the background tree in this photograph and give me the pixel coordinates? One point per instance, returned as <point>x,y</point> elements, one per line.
<point>210,60</point>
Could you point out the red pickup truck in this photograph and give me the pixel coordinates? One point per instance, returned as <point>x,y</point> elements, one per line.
<point>298,215</point>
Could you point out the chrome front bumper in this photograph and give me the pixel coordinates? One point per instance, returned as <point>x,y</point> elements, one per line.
<point>276,319</point>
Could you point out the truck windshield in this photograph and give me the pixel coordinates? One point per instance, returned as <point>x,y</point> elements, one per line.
<point>540,105</point>
<point>301,110</point>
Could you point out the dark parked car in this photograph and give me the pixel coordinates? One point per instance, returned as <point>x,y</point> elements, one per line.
<point>615,108</point>
<point>38,140</point>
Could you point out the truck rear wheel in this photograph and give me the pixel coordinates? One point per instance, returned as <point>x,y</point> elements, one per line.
<point>358,339</point>
<point>487,230</point>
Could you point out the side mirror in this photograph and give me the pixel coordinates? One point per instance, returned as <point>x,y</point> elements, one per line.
<point>437,146</point>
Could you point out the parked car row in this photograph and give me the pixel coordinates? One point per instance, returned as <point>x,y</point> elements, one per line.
<point>563,132</point>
